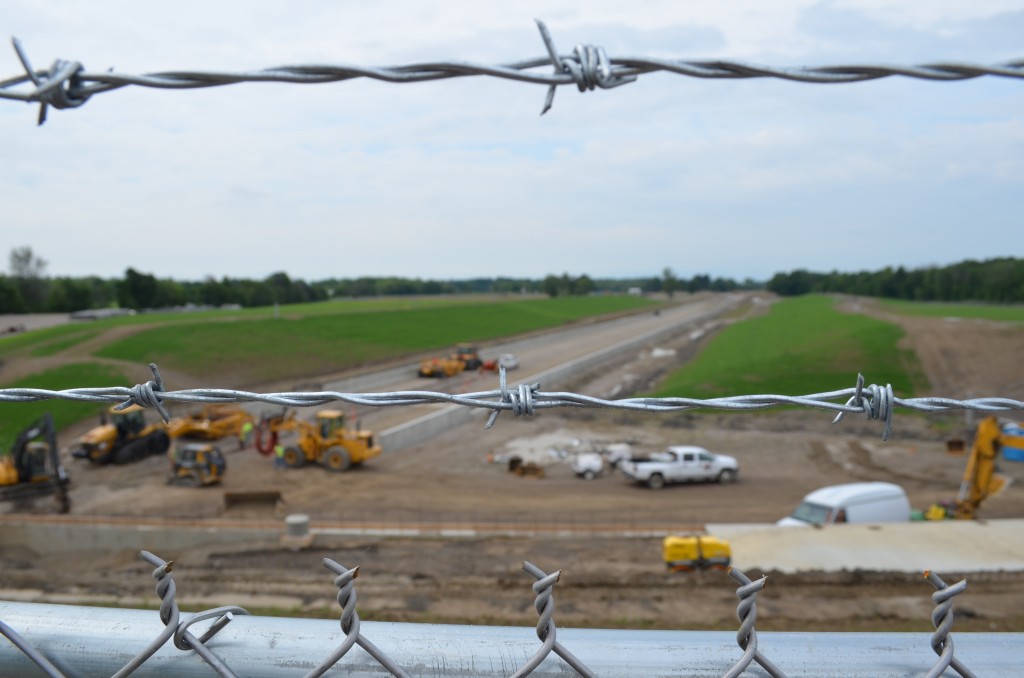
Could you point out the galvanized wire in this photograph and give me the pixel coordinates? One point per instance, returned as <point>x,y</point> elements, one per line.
<point>942,618</point>
<point>746,637</point>
<point>66,84</point>
<point>544,603</point>
<point>874,402</point>
<point>345,581</point>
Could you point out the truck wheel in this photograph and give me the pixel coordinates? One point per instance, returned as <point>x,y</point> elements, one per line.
<point>727,476</point>
<point>294,458</point>
<point>588,475</point>
<point>337,459</point>
<point>656,481</point>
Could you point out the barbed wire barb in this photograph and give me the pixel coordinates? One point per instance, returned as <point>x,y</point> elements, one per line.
<point>525,399</point>
<point>66,84</point>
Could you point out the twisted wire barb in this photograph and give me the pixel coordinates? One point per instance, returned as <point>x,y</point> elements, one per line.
<point>942,619</point>
<point>66,84</point>
<point>546,631</point>
<point>345,581</point>
<point>872,401</point>
<point>174,627</point>
<point>746,637</point>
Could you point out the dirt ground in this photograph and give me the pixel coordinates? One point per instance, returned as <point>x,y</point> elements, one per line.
<point>460,480</point>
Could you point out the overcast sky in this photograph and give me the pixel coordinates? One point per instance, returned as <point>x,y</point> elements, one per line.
<point>463,178</point>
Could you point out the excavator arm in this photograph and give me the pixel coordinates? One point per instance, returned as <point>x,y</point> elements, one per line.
<point>980,479</point>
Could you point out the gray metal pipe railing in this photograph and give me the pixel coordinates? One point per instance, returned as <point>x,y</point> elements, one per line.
<point>87,642</point>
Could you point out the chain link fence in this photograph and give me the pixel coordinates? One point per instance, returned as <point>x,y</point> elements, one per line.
<point>64,641</point>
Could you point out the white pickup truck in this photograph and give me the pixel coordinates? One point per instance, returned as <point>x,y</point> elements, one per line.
<point>681,464</point>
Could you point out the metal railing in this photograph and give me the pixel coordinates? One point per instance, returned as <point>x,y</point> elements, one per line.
<point>66,84</point>
<point>875,402</point>
<point>76,641</point>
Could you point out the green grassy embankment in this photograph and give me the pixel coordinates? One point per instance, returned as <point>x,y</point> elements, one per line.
<point>266,349</point>
<point>52,340</point>
<point>941,310</point>
<point>803,345</point>
<point>19,415</point>
<point>265,344</point>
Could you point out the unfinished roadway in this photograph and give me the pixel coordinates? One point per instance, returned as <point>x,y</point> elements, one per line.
<point>554,359</point>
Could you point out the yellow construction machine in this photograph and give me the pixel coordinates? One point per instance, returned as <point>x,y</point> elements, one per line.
<point>195,465</point>
<point>123,436</point>
<point>441,367</point>
<point>327,442</point>
<point>464,357</point>
<point>33,468</point>
<point>212,423</point>
<point>980,479</point>
<point>695,552</point>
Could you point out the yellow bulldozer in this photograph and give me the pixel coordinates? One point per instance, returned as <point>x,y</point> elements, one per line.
<point>980,480</point>
<point>327,442</point>
<point>464,357</point>
<point>123,436</point>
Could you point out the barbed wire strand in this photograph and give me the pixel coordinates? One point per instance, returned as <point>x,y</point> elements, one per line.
<point>66,84</point>
<point>874,402</point>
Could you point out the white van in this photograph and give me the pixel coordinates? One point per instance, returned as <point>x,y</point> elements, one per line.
<point>852,503</point>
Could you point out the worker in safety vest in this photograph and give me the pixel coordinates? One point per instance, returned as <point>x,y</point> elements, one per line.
<point>245,435</point>
<point>279,456</point>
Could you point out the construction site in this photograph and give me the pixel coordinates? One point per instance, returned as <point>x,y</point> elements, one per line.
<point>434,508</point>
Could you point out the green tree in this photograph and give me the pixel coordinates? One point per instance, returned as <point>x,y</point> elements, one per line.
<point>669,281</point>
<point>28,272</point>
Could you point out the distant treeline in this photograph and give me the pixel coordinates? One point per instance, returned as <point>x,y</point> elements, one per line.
<point>993,280</point>
<point>35,293</point>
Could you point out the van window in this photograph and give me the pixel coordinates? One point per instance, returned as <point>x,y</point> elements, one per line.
<point>815,514</point>
<point>688,456</point>
<point>704,456</point>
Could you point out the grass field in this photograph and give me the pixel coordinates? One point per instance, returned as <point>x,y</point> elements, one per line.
<point>932,309</point>
<point>803,345</point>
<point>293,344</point>
<point>19,415</point>
<point>54,339</point>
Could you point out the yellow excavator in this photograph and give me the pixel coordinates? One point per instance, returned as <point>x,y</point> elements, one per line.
<point>33,468</point>
<point>980,479</point>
